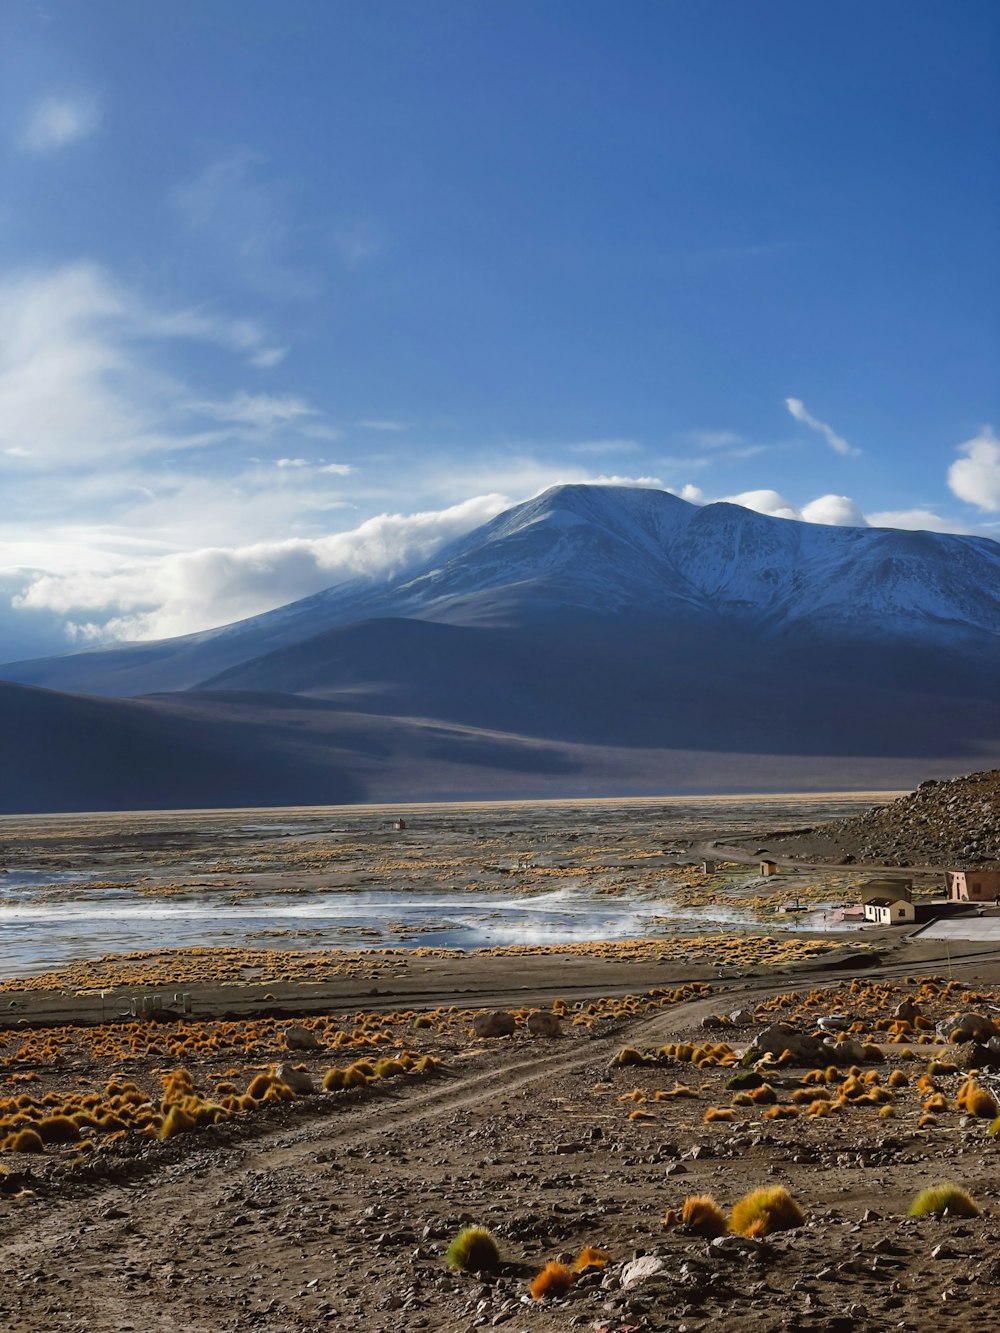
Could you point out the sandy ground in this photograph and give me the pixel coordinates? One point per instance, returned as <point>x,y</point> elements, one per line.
<point>332,1210</point>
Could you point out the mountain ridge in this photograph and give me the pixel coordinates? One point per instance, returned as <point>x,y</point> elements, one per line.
<point>612,548</point>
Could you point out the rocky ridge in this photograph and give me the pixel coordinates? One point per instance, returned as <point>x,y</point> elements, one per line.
<point>941,822</point>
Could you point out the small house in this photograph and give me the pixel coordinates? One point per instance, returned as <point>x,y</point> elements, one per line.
<point>889,889</point>
<point>973,886</point>
<point>890,911</point>
<point>768,868</point>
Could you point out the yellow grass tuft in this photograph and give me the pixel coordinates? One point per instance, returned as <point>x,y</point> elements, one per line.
<point>701,1215</point>
<point>716,1113</point>
<point>474,1250</point>
<point>941,1199</point>
<point>176,1121</point>
<point>766,1210</point>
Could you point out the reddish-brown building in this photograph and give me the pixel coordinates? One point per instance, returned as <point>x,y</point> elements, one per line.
<point>973,886</point>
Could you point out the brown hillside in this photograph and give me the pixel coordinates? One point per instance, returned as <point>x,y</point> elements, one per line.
<point>939,823</point>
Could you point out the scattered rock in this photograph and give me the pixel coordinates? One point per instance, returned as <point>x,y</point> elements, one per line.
<point>542,1023</point>
<point>496,1024</point>
<point>641,1270</point>
<point>298,1080</point>
<point>299,1038</point>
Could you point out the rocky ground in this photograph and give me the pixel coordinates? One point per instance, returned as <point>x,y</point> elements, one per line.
<point>334,1210</point>
<point>952,823</point>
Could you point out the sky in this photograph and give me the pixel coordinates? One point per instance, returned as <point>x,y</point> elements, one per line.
<point>293,293</point>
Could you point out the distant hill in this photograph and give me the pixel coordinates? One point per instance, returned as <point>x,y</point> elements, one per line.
<point>565,644</point>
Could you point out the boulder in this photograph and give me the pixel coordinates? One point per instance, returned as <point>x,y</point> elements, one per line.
<point>299,1038</point>
<point>970,1027</point>
<point>544,1023</point>
<point>496,1024</point>
<point>741,1017</point>
<point>641,1270</point>
<point>906,1011</point>
<point>297,1079</point>
<point>851,1052</point>
<point>779,1037</point>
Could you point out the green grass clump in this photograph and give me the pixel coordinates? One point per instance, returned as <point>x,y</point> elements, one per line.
<point>941,1199</point>
<point>766,1210</point>
<point>744,1080</point>
<point>474,1250</point>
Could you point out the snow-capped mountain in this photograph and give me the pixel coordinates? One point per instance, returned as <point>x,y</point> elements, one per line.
<point>610,550</point>
<point>595,639</point>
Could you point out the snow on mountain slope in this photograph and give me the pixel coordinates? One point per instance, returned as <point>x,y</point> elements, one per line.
<point>610,550</point>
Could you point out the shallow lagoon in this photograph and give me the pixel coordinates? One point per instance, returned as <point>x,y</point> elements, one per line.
<point>454,876</point>
<point>74,923</point>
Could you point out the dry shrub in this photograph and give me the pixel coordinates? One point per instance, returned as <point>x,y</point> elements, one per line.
<point>820,1108</point>
<point>780,1113</point>
<point>636,1095</point>
<point>701,1215</point>
<point>58,1129</point>
<point>766,1210</point>
<point>716,1113</point>
<point>941,1199</point>
<point>553,1281</point>
<point>176,1121</point>
<point>763,1095</point>
<point>25,1140</point>
<point>638,1114</point>
<point>977,1101</point>
<point>591,1257</point>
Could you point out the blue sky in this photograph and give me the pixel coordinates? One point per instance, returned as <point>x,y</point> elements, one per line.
<point>291,292</point>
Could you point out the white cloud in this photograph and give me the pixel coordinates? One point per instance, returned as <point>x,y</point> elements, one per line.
<point>917,520</point>
<point>384,425</point>
<point>976,477</point>
<point>836,510</point>
<point>291,462</point>
<point>79,380</point>
<point>193,590</point>
<point>835,441</point>
<point>693,494</point>
<point>764,502</point>
<point>714,439</point>
<point>55,122</point>
<point>338,469</point>
<point>268,357</point>
<point>601,447</point>
<point>244,214</point>
<point>261,410</point>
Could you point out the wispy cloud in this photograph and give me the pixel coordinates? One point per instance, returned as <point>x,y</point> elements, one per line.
<point>261,410</point>
<point>385,425</point>
<point>81,381</point>
<point>836,442</point>
<point>599,448</point>
<point>975,478</point>
<point>244,214</point>
<point>55,122</point>
<point>714,439</point>
<point>917,520</point>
